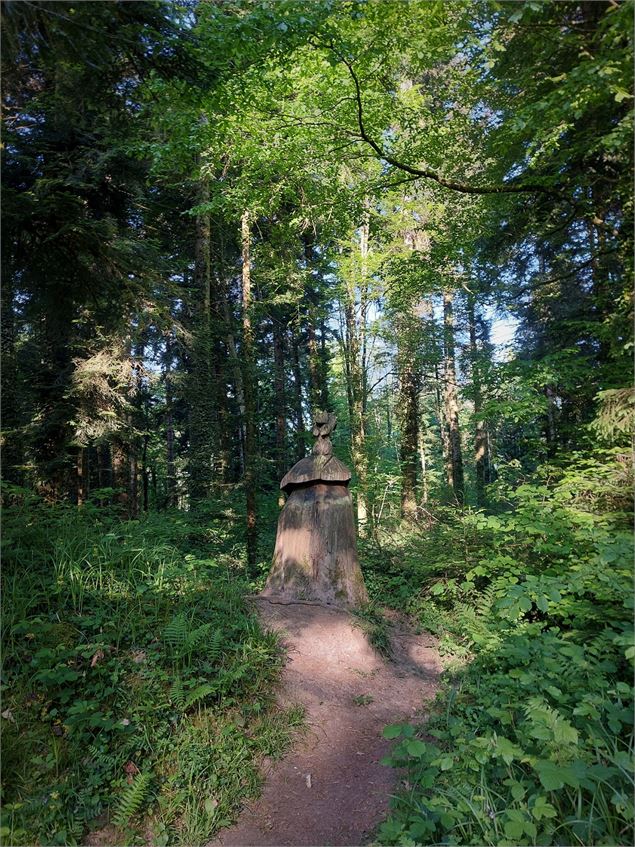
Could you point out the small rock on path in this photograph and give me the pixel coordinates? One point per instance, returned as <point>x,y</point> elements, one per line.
<point>331,788</point>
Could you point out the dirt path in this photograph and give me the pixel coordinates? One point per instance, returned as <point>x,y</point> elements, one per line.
<point>330,789</point>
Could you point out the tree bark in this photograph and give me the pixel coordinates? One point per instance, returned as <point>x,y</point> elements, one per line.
<point>355,359</point>
<point>300,432</point>
<point>249,383</point>
<point>455,455</point>
<point>202,406</point>
<point>324,367</point>
<point>424,465</point>
<point>280,403</point>
<point>170,485</point>
<point>82,475</point>
<point>120,472</point>
<point>480,435</point>
<point>409,408</point>
<point>144,471</point>
<point>313,353</point>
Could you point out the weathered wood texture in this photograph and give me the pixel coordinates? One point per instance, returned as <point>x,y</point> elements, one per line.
<point>315,557</point>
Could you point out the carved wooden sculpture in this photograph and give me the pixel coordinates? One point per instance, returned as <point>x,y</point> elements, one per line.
<point>316,550</point>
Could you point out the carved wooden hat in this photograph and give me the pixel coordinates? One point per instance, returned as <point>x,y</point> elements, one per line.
<point>322,465</point>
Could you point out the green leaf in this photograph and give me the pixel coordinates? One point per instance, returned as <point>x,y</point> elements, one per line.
<point>514,829</point>
<point>550,775</point>
<point>543,809</point>
<point>416,748</point>
<point>518,792</point>
<point>393,730</point>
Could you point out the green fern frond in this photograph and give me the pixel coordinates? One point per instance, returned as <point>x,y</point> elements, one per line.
<point>176,632</point>
<point>196,637</point>
<point>199,693</point>
<point>214,648</point>
<point>177,695</point>
<point>132,799</point>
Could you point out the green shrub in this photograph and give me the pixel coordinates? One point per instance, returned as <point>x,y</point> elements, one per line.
<point>135,676</point>
<point>531,740</point>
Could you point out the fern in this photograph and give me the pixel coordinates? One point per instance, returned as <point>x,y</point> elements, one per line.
<point>214,650</point>
<point>133,797</point>
<point>176,632</point>
<point>196,637</point>
<point>177,695</point>
<point>184,641</point>
<point>199,693</point>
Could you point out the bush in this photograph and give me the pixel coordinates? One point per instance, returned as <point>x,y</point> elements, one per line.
<point>531,741</point>
<point>136,678</point>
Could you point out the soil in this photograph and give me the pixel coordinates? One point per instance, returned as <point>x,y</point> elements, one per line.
<point>331,788</point>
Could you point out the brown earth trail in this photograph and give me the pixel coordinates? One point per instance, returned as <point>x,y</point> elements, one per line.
<point>331,788</point>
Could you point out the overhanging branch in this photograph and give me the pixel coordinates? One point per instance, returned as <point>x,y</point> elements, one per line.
<point>426,173</point>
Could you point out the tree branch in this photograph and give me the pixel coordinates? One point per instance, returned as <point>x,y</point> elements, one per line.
<point>425,173</point>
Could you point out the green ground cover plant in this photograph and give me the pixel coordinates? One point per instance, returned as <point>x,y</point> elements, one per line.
<point>137,686</point>
<point>531,739</point>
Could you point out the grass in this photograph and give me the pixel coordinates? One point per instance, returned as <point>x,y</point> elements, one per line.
<point>138,687</point>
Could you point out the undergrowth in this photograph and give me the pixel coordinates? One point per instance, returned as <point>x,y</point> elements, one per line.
<point>137,688</point>
<point>531,739</point>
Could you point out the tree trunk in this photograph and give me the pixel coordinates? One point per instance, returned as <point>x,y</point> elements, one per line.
<point>550,431</point>
<point>120,474</point>
<point>12,456</point>
<point>203,409</point>
<point>324,367</point>
<point>408,396</point>
<point>424,465</point>
<point>282,460</point>
<point>237,374</point>
<point>133,498</point>
<point>300,432</point>
<point>144,470</point>
<point>355,358</point>
<point>480,435</point>
<point>249,383</point>
<point>170,484</point>
<point>455,456</point>
<point>82,475</point>
<point>313,353</point>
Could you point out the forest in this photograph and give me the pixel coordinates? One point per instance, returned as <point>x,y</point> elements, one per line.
<point>222,217</point>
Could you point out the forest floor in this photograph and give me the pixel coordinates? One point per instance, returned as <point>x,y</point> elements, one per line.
<point>332,789</point>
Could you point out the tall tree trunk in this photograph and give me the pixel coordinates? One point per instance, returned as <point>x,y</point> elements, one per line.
<point>455,455</point>
<point>280,399</point>
<point>11,442</point>
<point>237,373</point>
<point>170,483</point>
<point>144,470</point>
<point>443,430</point>
<point>424,465</point>
<point>551,432</point>
<point>249,382</point>
<point>120,475</point>
<point>480,435</point>
<point>355,358</point>
<point>324,367</point>
<point>313,353</point>
<point>82,475</point>
<point>203,403</point>
<point>300,432</point>
<point>408,397</point>
<point>133,500</point>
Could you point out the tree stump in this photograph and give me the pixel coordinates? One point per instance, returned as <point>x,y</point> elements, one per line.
<point>315,557</point>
